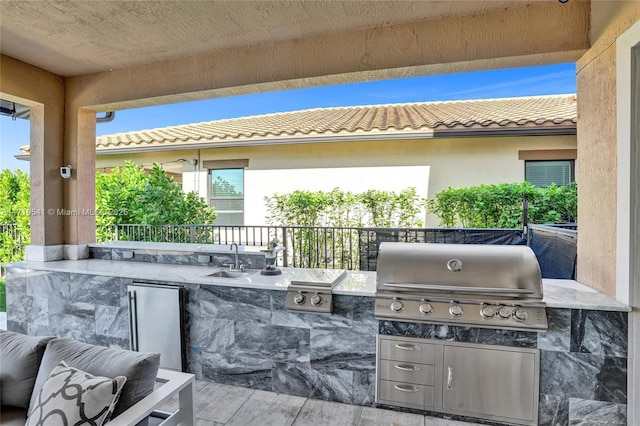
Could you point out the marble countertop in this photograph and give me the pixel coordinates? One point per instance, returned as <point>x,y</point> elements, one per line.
<point>557,293</point>
<point>356,283</point>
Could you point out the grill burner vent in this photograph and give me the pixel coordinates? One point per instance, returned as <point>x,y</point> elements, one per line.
<point>460,284</point>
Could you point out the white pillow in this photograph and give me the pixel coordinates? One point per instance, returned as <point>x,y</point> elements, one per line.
<point>70,396</point>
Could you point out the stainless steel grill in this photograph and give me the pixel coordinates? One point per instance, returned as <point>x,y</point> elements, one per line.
<point>475,285</point>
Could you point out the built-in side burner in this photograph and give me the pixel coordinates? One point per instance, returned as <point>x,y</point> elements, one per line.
<point>311,290</point>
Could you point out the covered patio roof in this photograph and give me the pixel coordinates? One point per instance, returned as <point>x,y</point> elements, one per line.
<point>69,60</point>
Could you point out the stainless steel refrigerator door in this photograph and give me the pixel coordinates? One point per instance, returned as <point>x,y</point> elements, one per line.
<point>155,322</point>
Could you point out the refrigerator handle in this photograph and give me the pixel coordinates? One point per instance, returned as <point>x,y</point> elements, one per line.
<point>133,321</point>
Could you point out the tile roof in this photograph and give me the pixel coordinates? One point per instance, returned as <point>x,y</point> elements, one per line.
<point>412,119</point>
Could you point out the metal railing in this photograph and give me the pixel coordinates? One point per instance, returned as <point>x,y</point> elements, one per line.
<point>313,246</point>
<point>12,243</point>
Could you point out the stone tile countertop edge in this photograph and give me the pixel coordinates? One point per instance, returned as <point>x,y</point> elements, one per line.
<point>557,293</point>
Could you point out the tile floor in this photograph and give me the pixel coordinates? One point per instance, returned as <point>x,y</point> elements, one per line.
<point>226,405</point>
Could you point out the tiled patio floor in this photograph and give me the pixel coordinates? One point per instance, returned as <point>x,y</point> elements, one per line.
<point>219,405</point>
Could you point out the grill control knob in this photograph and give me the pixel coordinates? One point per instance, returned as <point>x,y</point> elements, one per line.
<point>298,299</point>
<point>316,300</point>
<point>504,312</point>
<point>487,312</point>
<point>396,306</point>
<point>520,314</point>
<point>426,308</point>
<point>456,310</point>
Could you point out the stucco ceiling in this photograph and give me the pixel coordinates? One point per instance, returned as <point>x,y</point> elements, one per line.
<point>81,37</point>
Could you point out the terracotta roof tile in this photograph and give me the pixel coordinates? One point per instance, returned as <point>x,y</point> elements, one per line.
<point>412,118</point>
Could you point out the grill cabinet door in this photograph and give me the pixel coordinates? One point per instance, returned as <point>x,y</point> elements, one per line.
<point>496,383</point>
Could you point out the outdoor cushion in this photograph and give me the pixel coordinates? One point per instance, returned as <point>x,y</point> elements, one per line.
<point>21,356</point>
<point>13,416</point>
<point>71,397</point>
<point>139,368</point>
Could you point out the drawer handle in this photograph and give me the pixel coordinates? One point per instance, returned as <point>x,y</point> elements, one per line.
<point>406,388</point>
<point>407,347</point>
<point>407,367</point>
<point>449,377</point>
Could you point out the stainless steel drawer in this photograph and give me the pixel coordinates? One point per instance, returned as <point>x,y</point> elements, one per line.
<point>406,394</point>
<point>402,371</point>
<point>411,351</point>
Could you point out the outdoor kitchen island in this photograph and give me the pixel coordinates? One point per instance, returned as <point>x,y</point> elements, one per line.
<point>239,332</point>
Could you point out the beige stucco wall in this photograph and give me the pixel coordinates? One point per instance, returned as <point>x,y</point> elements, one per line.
<point>437,164</point>
<point>43,92</point>
<point>596,83</point>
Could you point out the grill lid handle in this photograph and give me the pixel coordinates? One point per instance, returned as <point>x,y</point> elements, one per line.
<point>466,289</point>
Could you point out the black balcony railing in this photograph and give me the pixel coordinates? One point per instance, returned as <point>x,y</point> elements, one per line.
<point>12,243</point>
<point>315,247</point>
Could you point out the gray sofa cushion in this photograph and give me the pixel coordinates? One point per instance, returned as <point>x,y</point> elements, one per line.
<point>21,356</point>
<point>139,368</point>
<point>13,416</point>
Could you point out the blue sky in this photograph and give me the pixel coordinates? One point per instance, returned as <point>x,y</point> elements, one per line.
<point>543,80</point>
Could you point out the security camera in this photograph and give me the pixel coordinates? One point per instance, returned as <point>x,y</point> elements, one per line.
<point>563,1</point>
<point>65,172</point>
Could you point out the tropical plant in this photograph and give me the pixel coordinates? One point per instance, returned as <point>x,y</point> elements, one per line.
<point>15,213</point>
<point>133,195</point>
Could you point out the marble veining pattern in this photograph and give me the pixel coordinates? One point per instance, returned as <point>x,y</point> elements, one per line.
<point>553,410</point>
<point>583,376</point>
<point>212,335</point>
<point>53,284</point>
<point>342,349</point>
<point>112,321</point>
<point>364,388</point>
<point>588,413</point>
<point>459,334</point>
<point>272,342</point>
<point>239,304</point>
<point>572,294</point>
<point>341,316</point>
<point>243,336</point>
<point>302,380</point>
<point>558,335</point>
<point>599,332</point>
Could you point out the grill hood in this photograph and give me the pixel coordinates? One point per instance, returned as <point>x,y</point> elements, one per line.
<point>473,269</point>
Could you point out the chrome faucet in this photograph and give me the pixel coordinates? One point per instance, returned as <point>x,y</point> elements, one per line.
<point>236,266</point>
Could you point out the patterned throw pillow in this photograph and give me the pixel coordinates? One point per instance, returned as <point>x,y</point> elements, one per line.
<point>70,396</point>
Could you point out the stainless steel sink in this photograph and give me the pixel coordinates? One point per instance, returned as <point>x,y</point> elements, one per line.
<point>231,274</point>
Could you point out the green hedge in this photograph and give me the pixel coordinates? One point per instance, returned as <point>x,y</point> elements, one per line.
<point>500,205</point>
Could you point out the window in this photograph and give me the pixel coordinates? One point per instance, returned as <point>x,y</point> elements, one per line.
<point>227,195</point>
<point>543,173</point>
